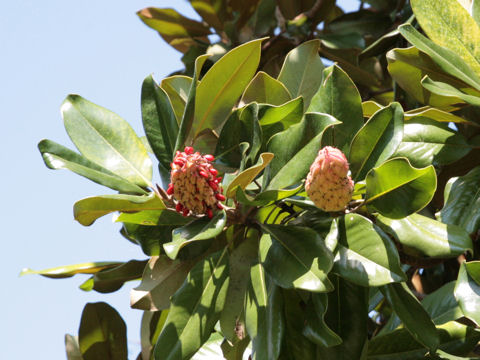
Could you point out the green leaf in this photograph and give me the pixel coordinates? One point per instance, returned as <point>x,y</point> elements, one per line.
<point>347,316</point>
<point>159,121</point>
<point>413,315</point>
<point>57,156</point>
<point>150,327</point>
<point>295,257</point>
<point>449,61</point>
<point>428,142</point>
<point>428,236</point>
<point>448,24</point>
<point>102,334</point>
<point>243,179</point>
<point>475,11</point>
<point>105,138</point>
<point>153,218</point>
<point>339,97</point>
<point>263,315</point>
<point>72,347</point>
<point>400,345</point>
<point>211,11</point>
<point>150,238</point>
<point>195,308</point>
<point>301,71</point>
<point>241,259</point>
<point>211,350</point>
<point>433,114</point>
<point>237,351</point>
<point>177,88</point>
<point>364,255</point>
<point>445,89</point>
<point>161,279</point>
<point>462,201</point>
<point>377,140</point>
<point>110,280</point>
<point>441,304</point>
<point>198,230</point>
<point>265,89</point>
<point>287,114</point>
<point>265,197</point>
<point>445,356</point>
<point>295,150</point>
<point>67,271</point>
<point>467,290</point>
<point>222,85</point>
<point>87,210</point>
<point>396,189</point>
<point>315,328</point>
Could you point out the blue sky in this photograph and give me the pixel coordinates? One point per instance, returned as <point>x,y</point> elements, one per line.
<point>50,48</point>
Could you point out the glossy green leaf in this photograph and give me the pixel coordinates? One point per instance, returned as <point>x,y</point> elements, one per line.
<point>296,257</point>
<point>400,345</point>
<point>177,88</point>
<point>347,316</point>
<point>243,179</point>
<point>105,138</point>
<point>195,308</point>
<point>441,304</point>
<point>150,327</point>
<point>448,24</point>
<point>301,71</point>
<point>263,315</point>
<point>475,11</point>
<point>408,67</point>
<point>339,97</point>
<point>222,85</point>
<point>433,114</point>
<point>241,350</point>
<point>102,334</point>
<point>428,142</point>
<point>265,197</point>
<point>57,156</point>
<point>462,201</point>
<point>295,149</point>
<point>428,236</point>
<point>377,140</point>
<point>265,89</point>
<point>153,218</point>
<point>87,210</point>
<point>396,189</point>
<point>467,290</point>
<point>364,255</point>
<point>72,348</point>
<point>161,279</point>
<point>110,280</point>
<point>287,114</point>
<point>414,317</point>
<point>70,270</point>
<point>211,350</point>
<point>150,238</point>
<point>315,328</point>
<point>189,112</point>
<point>198,230</point>
<point>445,89</point>
<point>211,11</point>
<point>241,259</point>
<point>445,356</point>
<point>159,121</point>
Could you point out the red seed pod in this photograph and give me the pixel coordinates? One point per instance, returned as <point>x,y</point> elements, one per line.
<point>170,189</point>
<point>209,213</point>
<point>220,206</point>
<point>213,185</point>
<point>203,173</point>
<point>185,212</point>
<point>179,162</point>
<point>220,197</point>
<point>214,172</point>
<point>209,157</point>
<point>188,150</point>
<point>179,207</point>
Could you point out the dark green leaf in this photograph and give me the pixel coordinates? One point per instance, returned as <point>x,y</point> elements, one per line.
<point>265,89</point>
<point>194,310</point>
<point>263,315</point>
<point>462,201</point>
<point>177,88</point>
<point>159,121</point>
<point>150,238</point>
<point>153,218</point>
<point>441,304</point>
<point>377,140</point>
<point>106,139</point>
<point>396,189</point>
<point>301,71</point>
<point>296,257</point>
<point>467,290</point>
<point>315,328</point>
<point>428,236</point>
<point>365,255</point>
<point>198,230</point>
<point>57,156</point>
<point>416,320</point>
<point>102,334</point>
<point>339,97</point>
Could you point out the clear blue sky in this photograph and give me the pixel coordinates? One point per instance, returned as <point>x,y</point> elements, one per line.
<point>50,48</point>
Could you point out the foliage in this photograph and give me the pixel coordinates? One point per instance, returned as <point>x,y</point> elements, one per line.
<point>395,275</point>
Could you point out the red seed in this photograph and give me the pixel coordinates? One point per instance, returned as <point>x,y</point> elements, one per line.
<point>209,213</point>
<point>209,157</point>
<point>203,173</point>
<point>220,197</point>
<point>170,189</point>
<point>220,206</point>
<point>213,185</point>
<point>178,162</point>
<point>185,212</point>
<point>188,150</point>
<point>179,207</point>
<point>214,172</point>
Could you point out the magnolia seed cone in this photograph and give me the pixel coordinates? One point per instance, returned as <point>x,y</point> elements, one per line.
<point>194,184</point>
<point>328,184</point>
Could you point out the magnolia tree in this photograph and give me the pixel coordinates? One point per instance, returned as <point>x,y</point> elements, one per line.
<point>319,193</point>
